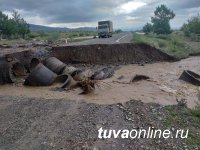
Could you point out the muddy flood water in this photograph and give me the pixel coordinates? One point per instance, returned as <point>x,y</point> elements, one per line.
<point>164,87</point>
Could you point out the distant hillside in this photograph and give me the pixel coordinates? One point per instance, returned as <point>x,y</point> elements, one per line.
<point>84,29</point>
<point>46,28</point>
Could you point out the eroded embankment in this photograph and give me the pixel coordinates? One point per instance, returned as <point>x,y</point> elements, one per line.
<point>94,54</point>
<point>106,54</point>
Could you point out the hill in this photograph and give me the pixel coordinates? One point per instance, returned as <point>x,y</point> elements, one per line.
<point>34,27</point>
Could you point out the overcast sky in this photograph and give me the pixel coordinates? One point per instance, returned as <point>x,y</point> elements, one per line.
<point>79,13</point>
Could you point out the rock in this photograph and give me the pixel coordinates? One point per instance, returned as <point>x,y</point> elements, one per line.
<point>139,78</point>
<point>103,73</point>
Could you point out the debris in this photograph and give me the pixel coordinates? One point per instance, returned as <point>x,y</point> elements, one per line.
<point>190,77</point>
<point>88,86</point>
<point>103,73</point>
<point>167,89</point>
<point>78,75</point>
<point>54,65</point>
<point>121,77</point>
<point>70,83</point>
<point>182,102</point>
<point>40,76</point>
<point>5,46</point>
<point>139,78</point>
<point>69,70</point>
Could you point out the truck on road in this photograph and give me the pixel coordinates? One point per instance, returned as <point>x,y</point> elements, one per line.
<point>105,29</point>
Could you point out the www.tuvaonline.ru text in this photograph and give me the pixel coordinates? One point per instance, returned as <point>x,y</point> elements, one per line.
<point>150,133</point>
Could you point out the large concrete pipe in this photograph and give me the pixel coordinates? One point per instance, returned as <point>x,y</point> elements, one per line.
<point>10,70</point>
<point>40,76</point>
<point>55,65</point>
<point>34,62</point>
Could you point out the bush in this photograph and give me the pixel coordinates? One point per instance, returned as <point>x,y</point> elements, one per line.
<point>148,28</point>
<point>192,26</point>
<point>33,35</point>
<point>53,37</point>
<point>164,37</point>
<point>42,33</point>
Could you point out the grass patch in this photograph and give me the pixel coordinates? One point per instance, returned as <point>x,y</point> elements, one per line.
<point>174,44</point>
<point>50,36</point>
<point>184,118</point>
<point>196,112</point>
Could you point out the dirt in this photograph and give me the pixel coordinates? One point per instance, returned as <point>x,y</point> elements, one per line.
<point>32,123</point>
<point>16,48</point>
<point>110,54</point>
<point>163,87</point>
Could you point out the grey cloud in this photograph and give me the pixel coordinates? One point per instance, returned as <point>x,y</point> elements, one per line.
<point>77,11</point>
<point>64,11</point>
<point>184,4</point>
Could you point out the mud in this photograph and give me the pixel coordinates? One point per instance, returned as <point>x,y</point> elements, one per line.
<point>163,88</point>
<point>106,54</point>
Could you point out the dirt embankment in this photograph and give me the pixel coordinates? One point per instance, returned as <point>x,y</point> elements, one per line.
<point>94,54</point>
<point>106,54</point>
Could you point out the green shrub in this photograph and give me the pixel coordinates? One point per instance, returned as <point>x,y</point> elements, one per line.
<point>192,26</point>
<point>53,37</point>
<point>33,35</point>
<point>196,112</point>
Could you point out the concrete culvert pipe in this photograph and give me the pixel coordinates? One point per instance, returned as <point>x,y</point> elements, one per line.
<point>34,62</point>
<point>10,70</point>
<point>6,75</point>
<point>18,69</point>
<point>55,65</point>
<point>69,70</point>
<point>190,77</point>
<point>70,83</point>
<point>67,80</point>
<point>40,76</point>
<point>78,75</point>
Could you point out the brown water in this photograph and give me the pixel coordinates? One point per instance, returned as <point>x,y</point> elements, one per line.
<point>163,87</point>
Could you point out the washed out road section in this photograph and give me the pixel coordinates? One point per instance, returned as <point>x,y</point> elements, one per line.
<point>164,87</point>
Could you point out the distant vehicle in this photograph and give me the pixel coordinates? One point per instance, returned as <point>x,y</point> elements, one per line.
<point>105,29</point>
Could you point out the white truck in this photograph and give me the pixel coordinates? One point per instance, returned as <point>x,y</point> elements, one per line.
<point>105,29</point>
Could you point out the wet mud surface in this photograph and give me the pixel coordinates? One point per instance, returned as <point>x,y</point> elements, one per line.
<point>163,87</point>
